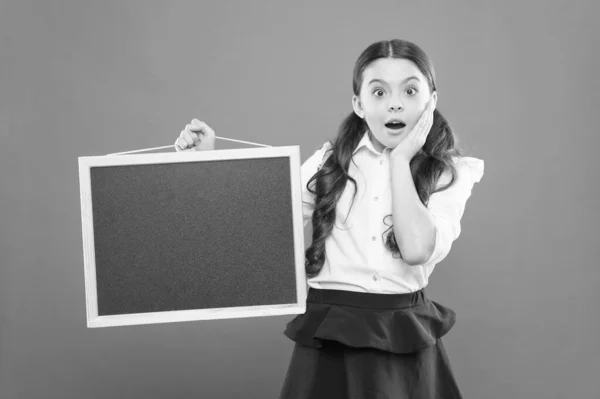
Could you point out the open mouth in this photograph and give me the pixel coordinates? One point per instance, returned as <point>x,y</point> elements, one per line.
<point>395,125</point>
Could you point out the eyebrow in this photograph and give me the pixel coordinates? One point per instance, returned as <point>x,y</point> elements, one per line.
<point>404,81</point>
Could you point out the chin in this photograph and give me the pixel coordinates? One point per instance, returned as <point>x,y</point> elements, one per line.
<point>393,140</point>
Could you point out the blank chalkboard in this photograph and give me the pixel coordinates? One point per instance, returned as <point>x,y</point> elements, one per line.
<point>192,235</point>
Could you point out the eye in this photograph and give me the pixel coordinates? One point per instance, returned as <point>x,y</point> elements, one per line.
<point>411,88</point>
<point>378,91</point>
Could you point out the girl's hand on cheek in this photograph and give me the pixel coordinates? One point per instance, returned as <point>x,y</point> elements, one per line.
<point>416,138</point>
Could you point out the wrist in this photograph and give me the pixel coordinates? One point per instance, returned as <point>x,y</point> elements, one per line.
<point>398,160</point>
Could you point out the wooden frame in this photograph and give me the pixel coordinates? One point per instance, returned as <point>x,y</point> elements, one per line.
<point>96,320</point>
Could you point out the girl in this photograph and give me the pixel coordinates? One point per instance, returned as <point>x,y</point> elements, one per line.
<point>385,199</point>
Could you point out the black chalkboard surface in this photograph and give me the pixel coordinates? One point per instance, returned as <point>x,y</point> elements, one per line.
<point>192,235</point>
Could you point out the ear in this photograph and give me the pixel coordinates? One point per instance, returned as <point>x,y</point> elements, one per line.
<point>434,97</point>
<point>357,106</point>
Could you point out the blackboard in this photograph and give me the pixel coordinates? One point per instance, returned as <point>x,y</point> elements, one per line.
<point>187,236</point>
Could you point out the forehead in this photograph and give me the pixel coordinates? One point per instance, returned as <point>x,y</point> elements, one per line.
<point>392,70</point>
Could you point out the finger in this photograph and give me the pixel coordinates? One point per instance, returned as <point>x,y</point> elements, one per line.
<point>180,144</point>
<point>429,108</point>
<point>425,122</point>
<point>432,104</point>
<point>187,138</point>
<point>187,127</point>
<point>422,121</point>
<point>431,101</point>
<point>200,126</point>
<point>190,128</point>
<point>192,136</point>
<point>430,113</point>
<point>429,124</point>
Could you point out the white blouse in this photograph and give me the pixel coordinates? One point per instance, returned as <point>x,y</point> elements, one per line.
<point>356,258</point>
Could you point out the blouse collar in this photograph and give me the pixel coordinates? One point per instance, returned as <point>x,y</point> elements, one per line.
<point>365,141</point>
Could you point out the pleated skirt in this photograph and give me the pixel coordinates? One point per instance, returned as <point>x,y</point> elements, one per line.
<point>372,346</point>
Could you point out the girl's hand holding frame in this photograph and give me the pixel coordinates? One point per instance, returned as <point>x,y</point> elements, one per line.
<point>196,136</point>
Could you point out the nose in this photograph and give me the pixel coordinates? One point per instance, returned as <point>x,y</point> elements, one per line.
<point>395,106</point>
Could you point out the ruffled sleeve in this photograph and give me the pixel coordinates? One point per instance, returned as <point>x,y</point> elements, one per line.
<point>447,207</point>
<point>308,170</point>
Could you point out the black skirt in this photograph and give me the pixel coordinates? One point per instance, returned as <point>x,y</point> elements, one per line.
<point>372,346</point>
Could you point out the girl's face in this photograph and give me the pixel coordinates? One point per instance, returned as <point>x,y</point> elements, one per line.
<point>393,89</point>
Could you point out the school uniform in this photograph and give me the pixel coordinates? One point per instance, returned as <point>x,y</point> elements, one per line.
<point>369,330</point>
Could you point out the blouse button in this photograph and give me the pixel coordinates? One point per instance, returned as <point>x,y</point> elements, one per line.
<point>373,238</point>
<point>381,162</point>
<point>376,198</point>
<point>374,277</point>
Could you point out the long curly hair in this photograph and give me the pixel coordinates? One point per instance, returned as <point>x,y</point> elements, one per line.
<point>426,166</point>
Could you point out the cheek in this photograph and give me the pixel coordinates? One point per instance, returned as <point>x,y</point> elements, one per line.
<point>371,119</point>
<point>414,119</point>
<point>376,114</point>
